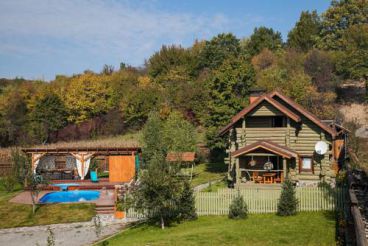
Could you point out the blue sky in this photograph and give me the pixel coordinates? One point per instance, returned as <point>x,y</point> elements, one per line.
<point>42,38</point>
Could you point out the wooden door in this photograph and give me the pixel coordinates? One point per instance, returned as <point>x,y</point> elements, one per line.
<point>121,168</point>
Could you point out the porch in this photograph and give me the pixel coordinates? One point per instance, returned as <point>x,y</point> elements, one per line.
<point>263,162</point>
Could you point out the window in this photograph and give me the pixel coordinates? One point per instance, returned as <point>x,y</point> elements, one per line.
<point>306,164</point>
<point>278,121</point>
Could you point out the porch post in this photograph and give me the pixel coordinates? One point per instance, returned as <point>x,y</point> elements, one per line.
<point>237,170</point>
<point>284,167</point>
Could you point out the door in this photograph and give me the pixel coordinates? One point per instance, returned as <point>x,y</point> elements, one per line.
<point>121,168</point>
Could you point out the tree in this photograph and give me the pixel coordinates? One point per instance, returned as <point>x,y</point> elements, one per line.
<point>170,58</point>
<point>288,202</point>
<point>228,89</point>
<point>262,38</point>
<point>158,196</point>
<point>306,31</point>
<point>339,17</point>
<point>238,208</point>
<point>107,69</point>
<point>87,95</point>
<point>220,48</point>
<point>137,105</point>
<point>187,208</point>
<point>319,66</point>
<point>152,138</point>
<point>48,115</point>
<point>178,134</point>
<point>264,60</point>
<point>36,184</point>
<point>167,198</point>
<point>13,117</point>
<point>353,63</point>
<point>228,92</point>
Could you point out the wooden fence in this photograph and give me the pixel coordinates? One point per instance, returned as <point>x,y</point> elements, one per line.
<point>5,164</point>
<point>263,200</point>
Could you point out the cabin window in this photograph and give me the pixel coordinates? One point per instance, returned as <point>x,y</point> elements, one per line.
<point>306,164</point>
<point>278,121</point>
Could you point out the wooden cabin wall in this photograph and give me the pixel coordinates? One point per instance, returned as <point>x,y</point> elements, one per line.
<point>299,137</point>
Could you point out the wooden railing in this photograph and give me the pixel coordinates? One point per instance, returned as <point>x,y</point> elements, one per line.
<point>265,200</point>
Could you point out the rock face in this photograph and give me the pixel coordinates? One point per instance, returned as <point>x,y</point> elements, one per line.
<point>362,132</point>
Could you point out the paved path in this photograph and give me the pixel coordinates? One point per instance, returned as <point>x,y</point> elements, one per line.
<point>205,185</point>
<point>73,234</point>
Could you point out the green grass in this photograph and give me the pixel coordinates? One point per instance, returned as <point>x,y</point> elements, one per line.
<point>218,185</point>
<point>312,228</point>
<point>205,172</point>
<point>15,215</point>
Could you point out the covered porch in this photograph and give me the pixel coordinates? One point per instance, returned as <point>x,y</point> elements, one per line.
<point>263,162</point>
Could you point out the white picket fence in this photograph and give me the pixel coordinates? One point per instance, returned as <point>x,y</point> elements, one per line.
<point>261,200</point>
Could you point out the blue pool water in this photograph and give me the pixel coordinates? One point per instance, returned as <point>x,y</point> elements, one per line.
<point>70,196</point>
<point>65,186</point>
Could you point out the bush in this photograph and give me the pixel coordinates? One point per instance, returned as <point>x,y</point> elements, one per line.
<point>238,208</point>
<point>9,183</point>
<point>288,202</point>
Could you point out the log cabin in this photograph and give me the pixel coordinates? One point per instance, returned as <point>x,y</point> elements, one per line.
<point>274,138</point>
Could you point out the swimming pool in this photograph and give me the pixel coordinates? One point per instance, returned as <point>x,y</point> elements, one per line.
<point>70,196</point>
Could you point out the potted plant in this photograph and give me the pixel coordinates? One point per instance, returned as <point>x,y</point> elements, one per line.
<point>119,210</point>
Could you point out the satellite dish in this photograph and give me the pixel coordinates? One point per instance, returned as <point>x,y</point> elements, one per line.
<point>321,148</point>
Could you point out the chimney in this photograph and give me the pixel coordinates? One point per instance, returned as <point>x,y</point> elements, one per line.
<point>255,93</point>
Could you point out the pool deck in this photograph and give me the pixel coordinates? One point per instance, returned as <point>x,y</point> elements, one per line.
<point>107,197</point>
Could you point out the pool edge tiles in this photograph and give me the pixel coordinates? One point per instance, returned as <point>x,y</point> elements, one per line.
<point>74,196</point>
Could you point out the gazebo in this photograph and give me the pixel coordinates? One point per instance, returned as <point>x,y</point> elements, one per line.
<point>74,162</point>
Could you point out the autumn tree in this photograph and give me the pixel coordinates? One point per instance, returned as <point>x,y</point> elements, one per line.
<point>319,65</point>
<point>87,95</point>
<point>48,115</point>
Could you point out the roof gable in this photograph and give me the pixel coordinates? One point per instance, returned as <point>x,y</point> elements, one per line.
<point>264,98</point>
<point>266,145</point>
<point>303,111</point>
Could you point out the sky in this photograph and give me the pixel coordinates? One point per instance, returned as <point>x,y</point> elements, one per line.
<point>43,38</point>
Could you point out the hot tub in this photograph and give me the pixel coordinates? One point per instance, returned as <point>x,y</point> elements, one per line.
<point>70,196</point>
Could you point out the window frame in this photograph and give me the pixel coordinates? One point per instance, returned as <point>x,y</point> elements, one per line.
<point>306,170</point>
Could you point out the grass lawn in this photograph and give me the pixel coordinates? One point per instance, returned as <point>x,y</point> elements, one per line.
<point>15,215</point>
<point>205,172</point>
<point>307,228</point>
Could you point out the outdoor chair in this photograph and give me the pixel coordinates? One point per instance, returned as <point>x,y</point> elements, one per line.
<point>257,178</point>
<point>94,177</point>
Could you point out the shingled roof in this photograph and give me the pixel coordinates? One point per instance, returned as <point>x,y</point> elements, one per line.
<point>180,156</point>
<point>269,146</point>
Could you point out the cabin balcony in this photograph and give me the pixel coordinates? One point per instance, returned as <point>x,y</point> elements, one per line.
<point>277,135</point>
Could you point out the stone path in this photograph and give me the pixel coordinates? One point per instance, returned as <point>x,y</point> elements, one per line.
<point>72,234</point>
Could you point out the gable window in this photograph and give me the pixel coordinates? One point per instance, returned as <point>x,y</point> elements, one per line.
<point>278,121</point>
<point>306,164</point>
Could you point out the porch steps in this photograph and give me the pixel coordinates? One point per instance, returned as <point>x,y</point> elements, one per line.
<point>105,209</point>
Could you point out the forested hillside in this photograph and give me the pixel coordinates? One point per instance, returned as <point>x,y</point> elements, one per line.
<point>208,82</point>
